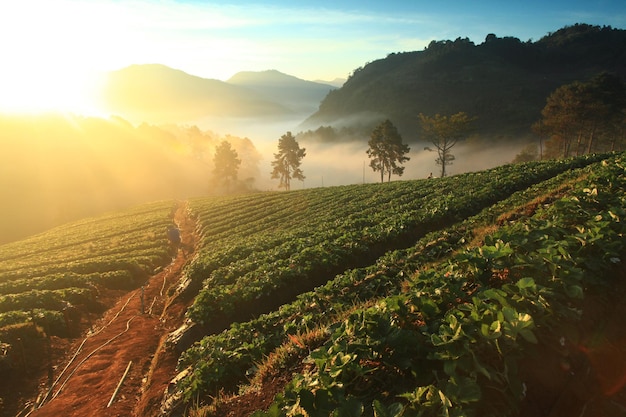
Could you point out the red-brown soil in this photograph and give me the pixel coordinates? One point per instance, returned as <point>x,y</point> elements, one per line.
<point>94,364</point>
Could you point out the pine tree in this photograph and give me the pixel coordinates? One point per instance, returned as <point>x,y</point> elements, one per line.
<point>287,161</point>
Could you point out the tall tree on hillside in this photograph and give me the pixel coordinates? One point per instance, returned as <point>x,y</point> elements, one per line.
<point>386,150</point>
<point>225,164</point>
<point>287,161</point>
<point>582,117</point>
<point>444,132</point>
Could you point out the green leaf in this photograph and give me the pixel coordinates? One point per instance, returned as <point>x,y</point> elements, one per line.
<point>436,340</point>
<point>449,367</point>
<point>574,291</point>
<point>380,410</point>
<point>307,399</point>
<point>495,294</point>
<point>510,314</point>
<point>350,408</point>
<point>468,390</point>
<point>445,401</point>
<point>529,336</point>
<point>525,283</point>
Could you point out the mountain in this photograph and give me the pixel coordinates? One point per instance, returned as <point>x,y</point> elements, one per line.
<point>294,93</point>
<point>504,82</point>
<point>159,94</point>
<point>337,82</point>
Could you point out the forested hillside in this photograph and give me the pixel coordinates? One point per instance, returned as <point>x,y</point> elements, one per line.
<point>503,82</point>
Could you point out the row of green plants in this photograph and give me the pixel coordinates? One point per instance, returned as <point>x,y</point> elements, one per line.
<point>43,275</point>
<point>324,239</point>
<point>226,359</point>
<point>141,228</point>
<point>451,343</point>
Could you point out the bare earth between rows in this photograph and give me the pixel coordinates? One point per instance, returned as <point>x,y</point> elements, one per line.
<point>85,382</point>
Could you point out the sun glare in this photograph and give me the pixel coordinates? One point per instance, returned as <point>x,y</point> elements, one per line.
<point>48,64</point>
<point>54,92</point>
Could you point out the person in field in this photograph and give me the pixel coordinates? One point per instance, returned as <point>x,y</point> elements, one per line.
<point>173,234</point>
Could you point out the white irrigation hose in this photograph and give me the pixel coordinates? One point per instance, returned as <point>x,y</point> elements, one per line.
<point>56,381</point>
<point>44,400</point>
<point>119,384</point>
<point>91,354</point>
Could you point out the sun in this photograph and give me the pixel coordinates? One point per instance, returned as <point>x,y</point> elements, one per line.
<point>56,91</point>
<point>49,63</point>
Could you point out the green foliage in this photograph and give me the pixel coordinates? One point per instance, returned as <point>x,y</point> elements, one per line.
<point>290,243</point>
<point>584,117</point>
<point>225,165</point>
<point>39,276</point>
<point>444,132</point>
<point>268,243</point>
<point>452,333</point>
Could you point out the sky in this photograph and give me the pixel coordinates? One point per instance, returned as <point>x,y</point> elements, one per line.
<point>53,51</point>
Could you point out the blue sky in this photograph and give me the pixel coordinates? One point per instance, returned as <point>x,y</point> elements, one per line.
<point>54,48</point>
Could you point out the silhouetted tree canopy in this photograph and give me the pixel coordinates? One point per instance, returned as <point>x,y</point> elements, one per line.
<point>444,132</point>
<point>386,151</point>
<point>584,117</point>
<point>287,161</point>
<point>225,164</point>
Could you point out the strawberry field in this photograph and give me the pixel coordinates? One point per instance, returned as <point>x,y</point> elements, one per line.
<point>435,290</point>
<point>435,297</point>
<point>68,266</point>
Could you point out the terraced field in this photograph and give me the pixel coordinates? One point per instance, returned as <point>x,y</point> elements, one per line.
<point>468,295</point>
<point>417,253</point>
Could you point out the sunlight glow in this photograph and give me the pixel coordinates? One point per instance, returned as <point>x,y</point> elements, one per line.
<point>47,63</point>
<point>30,92</point>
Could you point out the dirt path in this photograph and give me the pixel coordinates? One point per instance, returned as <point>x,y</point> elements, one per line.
<point>124,336</point>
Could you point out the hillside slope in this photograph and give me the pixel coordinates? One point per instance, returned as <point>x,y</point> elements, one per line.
<point>59,168</point>
<point>504,82</point>
<point>318,352</point>
<point>432,295</point>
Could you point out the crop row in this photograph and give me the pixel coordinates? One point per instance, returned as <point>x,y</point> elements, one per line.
<point>144,227</point>
<point>243,270</point>
<point>224,360</point>
<point>65,266</point>
<point>452,341</point>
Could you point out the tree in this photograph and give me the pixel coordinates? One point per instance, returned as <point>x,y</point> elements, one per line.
<point>287,161</point>
<point>225,164</point>
<point>444,132</point>
<point>582,117</point>
<point>386,151</point>
<point>529,153</point>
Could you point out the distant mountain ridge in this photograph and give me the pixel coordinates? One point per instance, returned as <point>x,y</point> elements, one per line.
<point>503,82</point>
<point>159,94</point>
<point>295,93</point>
